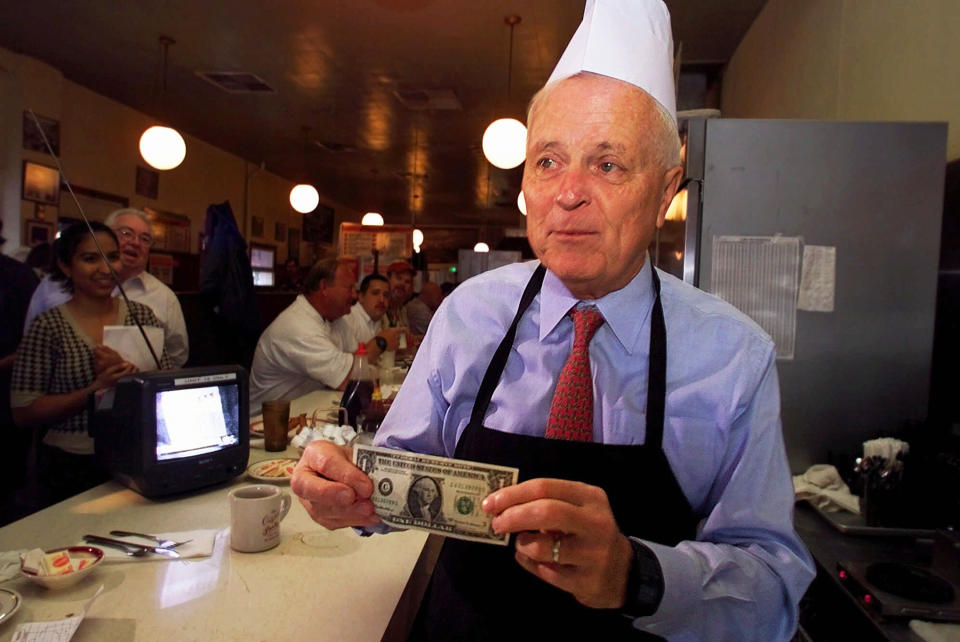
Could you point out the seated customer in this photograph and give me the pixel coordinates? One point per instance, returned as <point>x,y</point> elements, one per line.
<point>132,226</point>
<point>303,349</point>
<point>367,319</point>
<point>420,310</point>
<point>61,360</point>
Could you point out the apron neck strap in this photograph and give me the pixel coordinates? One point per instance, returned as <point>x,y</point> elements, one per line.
<point>499,360</point>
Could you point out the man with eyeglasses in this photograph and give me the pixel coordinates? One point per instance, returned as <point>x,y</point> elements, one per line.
<point>132,227</point>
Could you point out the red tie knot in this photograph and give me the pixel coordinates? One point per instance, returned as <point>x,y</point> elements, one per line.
<point>586,322</point>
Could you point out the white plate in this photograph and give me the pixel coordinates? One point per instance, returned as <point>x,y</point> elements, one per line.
<point>10,601</point>
<point>254,470</point>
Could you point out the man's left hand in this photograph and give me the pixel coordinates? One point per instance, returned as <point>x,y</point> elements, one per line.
<point>594,556</point>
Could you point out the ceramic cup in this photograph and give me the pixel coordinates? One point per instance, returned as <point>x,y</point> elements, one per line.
<point>255,515</point>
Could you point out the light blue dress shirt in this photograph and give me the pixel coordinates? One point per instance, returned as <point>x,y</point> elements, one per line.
<point>743,576</point>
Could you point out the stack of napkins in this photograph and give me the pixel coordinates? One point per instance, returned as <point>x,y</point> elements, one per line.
<point>340,435</point>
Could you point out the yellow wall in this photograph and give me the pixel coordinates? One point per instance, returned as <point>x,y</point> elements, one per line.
<point>850,60</point>
<point>98,147</point>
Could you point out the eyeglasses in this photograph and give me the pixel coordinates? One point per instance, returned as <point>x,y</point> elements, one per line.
<point>127,234</point>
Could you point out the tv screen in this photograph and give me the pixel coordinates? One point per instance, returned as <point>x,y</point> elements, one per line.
<point>174,430</point>
<point>194,421</point>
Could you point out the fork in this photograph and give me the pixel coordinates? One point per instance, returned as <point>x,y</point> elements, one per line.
<point>132,550</point>
<point>161,542</point>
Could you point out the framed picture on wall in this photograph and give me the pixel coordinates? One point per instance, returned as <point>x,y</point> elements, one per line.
<point>40,183</point>
<point>33,139</point>
<point>293,244</point>
<point>148,182</point>
<point>279,232</point>
<point>256,226</point>
<point>37,232</point>
<point>318,225</point>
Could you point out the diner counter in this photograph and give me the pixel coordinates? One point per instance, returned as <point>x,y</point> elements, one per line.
<point>315,585</point>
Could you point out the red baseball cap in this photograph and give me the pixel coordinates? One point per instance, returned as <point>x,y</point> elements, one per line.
<point>401,266</point>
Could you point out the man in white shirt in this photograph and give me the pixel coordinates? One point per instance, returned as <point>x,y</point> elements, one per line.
<point>305,348</point>
<point>132,228</point>
<point>367,319</point>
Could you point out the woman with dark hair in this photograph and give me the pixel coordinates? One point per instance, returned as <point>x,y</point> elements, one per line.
<point>61,361</point>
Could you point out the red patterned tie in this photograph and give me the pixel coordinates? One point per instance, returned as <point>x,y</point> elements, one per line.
<point>571,413</point>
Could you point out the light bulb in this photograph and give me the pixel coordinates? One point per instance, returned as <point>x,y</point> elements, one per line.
<point>304,198</point>
<point>522,204</point>
<point>505,143</point>
<point>417,240</point>
<point>481,247</point>
<point>371,218</point>
<point>162,147</point>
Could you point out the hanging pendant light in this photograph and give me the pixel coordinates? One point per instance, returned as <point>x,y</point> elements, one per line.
<point>304,197</point>
<point>417,240</point>
<point>505,139</point>
<point>522,204</point>
<point>163,147</point>
<point>481,247</point>
<point>372,218</point>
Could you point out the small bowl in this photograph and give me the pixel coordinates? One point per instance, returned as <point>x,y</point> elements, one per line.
<point>54,582</point>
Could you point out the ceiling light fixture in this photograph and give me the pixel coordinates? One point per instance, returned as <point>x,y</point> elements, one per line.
<point>371,218</point>
<point>522,204</point>
<point>417,240</point>
<point>505,139</point>
<point>481,247</point>
<point>304,197</point>
<point>160,146</point>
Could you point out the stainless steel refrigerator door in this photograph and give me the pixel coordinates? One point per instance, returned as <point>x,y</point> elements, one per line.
<point>872,190</point>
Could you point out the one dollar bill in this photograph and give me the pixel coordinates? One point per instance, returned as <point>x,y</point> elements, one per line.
<point>435,494</point>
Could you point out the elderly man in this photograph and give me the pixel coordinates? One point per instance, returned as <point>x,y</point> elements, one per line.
<point>400,274</point>
<point>305,348</point>
<point>643,415</point>
<point>420,309</point>
<point>367,320</point>
<point>132,228</point>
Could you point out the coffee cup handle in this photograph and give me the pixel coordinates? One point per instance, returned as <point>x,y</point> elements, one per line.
<point>284,506</point>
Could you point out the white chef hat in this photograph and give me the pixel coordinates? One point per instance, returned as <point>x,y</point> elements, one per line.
<point>625,39</point>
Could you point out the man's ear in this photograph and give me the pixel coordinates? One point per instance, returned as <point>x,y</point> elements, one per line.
<point>671,182</point>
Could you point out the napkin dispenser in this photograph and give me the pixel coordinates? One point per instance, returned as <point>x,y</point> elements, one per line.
<point>176,430</point>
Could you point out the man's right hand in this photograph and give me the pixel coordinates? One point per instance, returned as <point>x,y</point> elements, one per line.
<point>334,491</point>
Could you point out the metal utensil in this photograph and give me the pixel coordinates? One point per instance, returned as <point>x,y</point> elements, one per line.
<point>161,542</point>
<point>99,539</point>
<point>131,551</point>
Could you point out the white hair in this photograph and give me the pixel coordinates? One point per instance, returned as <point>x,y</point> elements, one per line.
<point>126,211</point>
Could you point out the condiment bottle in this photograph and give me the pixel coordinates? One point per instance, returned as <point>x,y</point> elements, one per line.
<point>359,391</point>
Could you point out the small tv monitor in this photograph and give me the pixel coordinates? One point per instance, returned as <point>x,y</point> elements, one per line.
<point>176,430</point>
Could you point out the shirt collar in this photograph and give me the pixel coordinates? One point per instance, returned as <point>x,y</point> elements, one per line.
<point>308,309</point>
<point>625,310</point>
<point>362,313</point>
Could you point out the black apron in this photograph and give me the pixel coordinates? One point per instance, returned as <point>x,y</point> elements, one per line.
<point>479,591</point>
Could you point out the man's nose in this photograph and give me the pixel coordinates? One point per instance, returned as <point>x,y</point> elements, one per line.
<point>573,190</point>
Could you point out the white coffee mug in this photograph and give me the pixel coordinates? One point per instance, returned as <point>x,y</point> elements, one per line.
<point>255,515</point>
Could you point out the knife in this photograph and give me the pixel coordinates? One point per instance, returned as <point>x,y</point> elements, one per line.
<point>153,549</point>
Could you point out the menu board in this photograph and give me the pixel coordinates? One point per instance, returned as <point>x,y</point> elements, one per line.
<point>391,241</point>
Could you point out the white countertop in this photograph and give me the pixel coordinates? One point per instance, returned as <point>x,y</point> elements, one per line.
<point>316,585</point>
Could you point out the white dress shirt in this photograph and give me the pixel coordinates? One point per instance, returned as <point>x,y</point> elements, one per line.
<point>360,326</point>
<point>143,288</point>
<point>298,353</point>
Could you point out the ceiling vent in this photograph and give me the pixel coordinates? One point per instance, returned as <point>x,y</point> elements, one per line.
<point>424,99</point>
<point>334,148</point>
<point>236,82</point>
